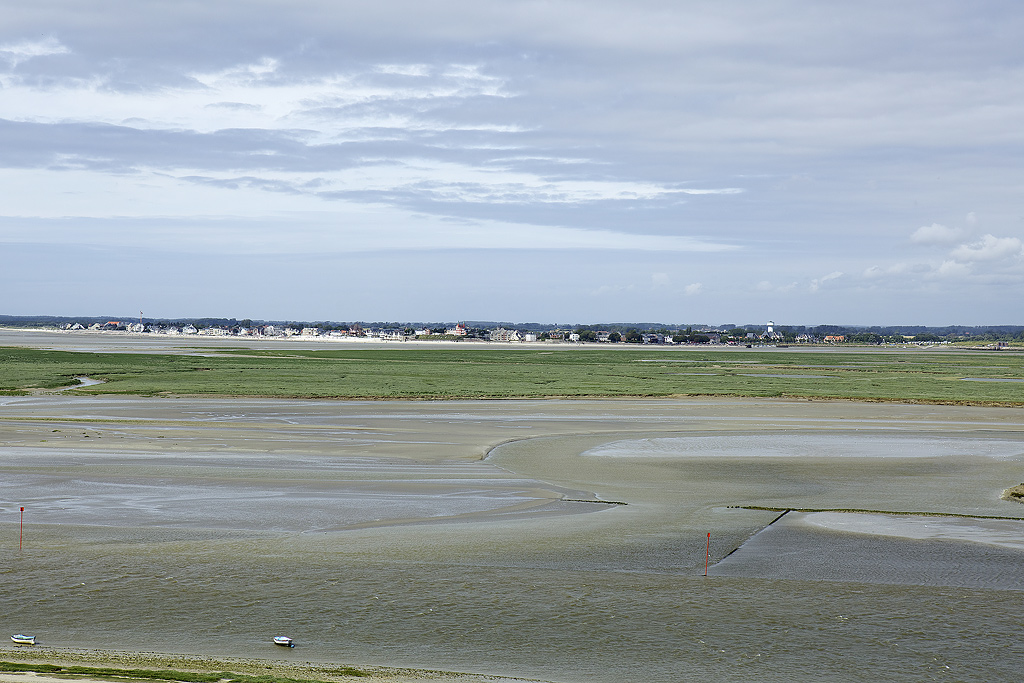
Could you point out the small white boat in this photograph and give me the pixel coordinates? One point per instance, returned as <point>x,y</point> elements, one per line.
<point>22,639</point>
<point>283,641</point>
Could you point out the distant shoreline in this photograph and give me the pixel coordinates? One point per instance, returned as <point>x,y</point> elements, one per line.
<point>488,344</point>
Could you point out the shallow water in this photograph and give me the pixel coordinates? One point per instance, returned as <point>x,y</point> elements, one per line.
<point>159,520</point>
<point>922,551</point>
<point>856,445</point>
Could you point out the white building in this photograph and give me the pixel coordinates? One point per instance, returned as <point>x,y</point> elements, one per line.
<point>503,335</point>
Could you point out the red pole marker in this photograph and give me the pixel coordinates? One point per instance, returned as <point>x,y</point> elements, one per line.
<point>707,555</point>
<point>21,534</point>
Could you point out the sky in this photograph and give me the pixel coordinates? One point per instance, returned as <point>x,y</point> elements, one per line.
<point>576,161</point>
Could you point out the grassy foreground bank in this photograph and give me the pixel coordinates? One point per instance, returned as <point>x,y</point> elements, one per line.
<point>137,667</point>
<point>904,375</point>
<point>132,674</point>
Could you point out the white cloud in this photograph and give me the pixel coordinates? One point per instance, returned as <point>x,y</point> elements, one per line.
<point>693,289</point>
<point>16,53</point>
<point>935,234</point>
<point>952,269</point>
<point>404,69</point>
<point>250,220</point>
<point>876,272</point>
<point>327,108</point>
<point>818,282</point>
<point>659,280</point>
<point>989,248</point>
<point>724,190</point>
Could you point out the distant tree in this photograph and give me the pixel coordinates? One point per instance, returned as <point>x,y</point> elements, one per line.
<point>615,337</point>
<point>634,337</point>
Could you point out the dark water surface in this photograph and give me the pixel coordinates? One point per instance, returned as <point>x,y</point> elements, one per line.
<point>787,550</point>
<point>555,625</point>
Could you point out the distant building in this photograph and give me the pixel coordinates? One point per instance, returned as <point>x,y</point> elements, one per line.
<point>503,335</point>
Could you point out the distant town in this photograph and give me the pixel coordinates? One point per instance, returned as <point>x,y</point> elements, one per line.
<point>530,333</point>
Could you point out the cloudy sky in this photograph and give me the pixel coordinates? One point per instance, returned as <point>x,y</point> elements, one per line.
<point>552,161</point>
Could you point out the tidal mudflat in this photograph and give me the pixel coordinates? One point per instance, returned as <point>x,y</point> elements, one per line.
<point>482,536</point>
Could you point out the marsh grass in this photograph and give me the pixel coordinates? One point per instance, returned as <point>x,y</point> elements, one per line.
<point>909,375</point>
